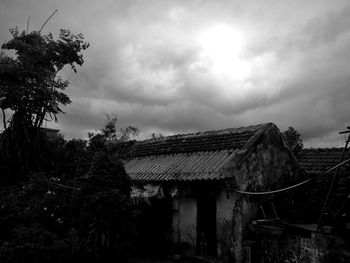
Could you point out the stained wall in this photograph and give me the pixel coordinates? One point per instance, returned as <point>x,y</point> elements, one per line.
<point>267,165</point>
<point>187,221</point>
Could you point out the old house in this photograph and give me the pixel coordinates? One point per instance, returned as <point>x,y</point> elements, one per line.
<point>196,177</point>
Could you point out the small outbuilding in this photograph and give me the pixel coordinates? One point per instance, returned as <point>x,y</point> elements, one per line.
<point>317,225</point>
<point>315,162</point>
<point>194,179</point>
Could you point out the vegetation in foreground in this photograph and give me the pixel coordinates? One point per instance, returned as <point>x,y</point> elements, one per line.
<point>59,200</point>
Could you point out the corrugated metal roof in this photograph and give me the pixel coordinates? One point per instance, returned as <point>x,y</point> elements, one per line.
<point>178,167</point>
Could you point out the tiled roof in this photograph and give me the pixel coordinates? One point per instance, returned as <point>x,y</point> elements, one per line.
<point>315,161</point>
<point>179,167</point>
<point>186,157</point>
<point>227,139</point>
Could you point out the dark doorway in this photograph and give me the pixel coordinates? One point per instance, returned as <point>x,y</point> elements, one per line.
<point>154,231</point>
<point>206,226</point>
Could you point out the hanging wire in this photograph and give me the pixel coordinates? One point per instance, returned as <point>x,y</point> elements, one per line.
<point>292,186</point>
<point>274,191</point>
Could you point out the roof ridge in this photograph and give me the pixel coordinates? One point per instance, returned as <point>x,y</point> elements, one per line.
<point>209,132</point>
<point>323,149</point>
<point>215,140</point>
<point>208,152</point>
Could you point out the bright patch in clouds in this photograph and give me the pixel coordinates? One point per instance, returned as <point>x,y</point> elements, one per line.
<point>222,48</point>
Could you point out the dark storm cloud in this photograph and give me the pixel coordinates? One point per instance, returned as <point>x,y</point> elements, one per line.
<point>146,65</point>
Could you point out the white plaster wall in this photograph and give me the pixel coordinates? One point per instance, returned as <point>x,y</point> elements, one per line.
<point>188,220</point>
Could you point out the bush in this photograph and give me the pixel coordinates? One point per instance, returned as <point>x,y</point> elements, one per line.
<point>79,210</point>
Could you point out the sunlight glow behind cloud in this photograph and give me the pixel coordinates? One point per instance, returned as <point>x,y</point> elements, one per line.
<point>222,48</point>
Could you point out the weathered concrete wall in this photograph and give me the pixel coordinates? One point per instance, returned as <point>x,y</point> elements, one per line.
<point>224,216</point>
<point>187,222</point>
<point>268,165</point>
<point>184,221</point>
<point>315,248</point>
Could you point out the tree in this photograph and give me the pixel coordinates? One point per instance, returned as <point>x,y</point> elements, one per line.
<point>30,85</point>
<point>103,210</point>
<point>79,208</point>
<point>31,91</point>
<point>294,140</point>
<point>112,133</point>
<point>104,220</point>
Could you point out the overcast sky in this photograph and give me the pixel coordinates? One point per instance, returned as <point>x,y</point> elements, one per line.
<point>181,66</point>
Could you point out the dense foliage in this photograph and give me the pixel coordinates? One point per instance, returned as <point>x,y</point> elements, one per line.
<point>59,200</point>
<point>80,210</point>
<point>30,85</point>
<point>31,90</point>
